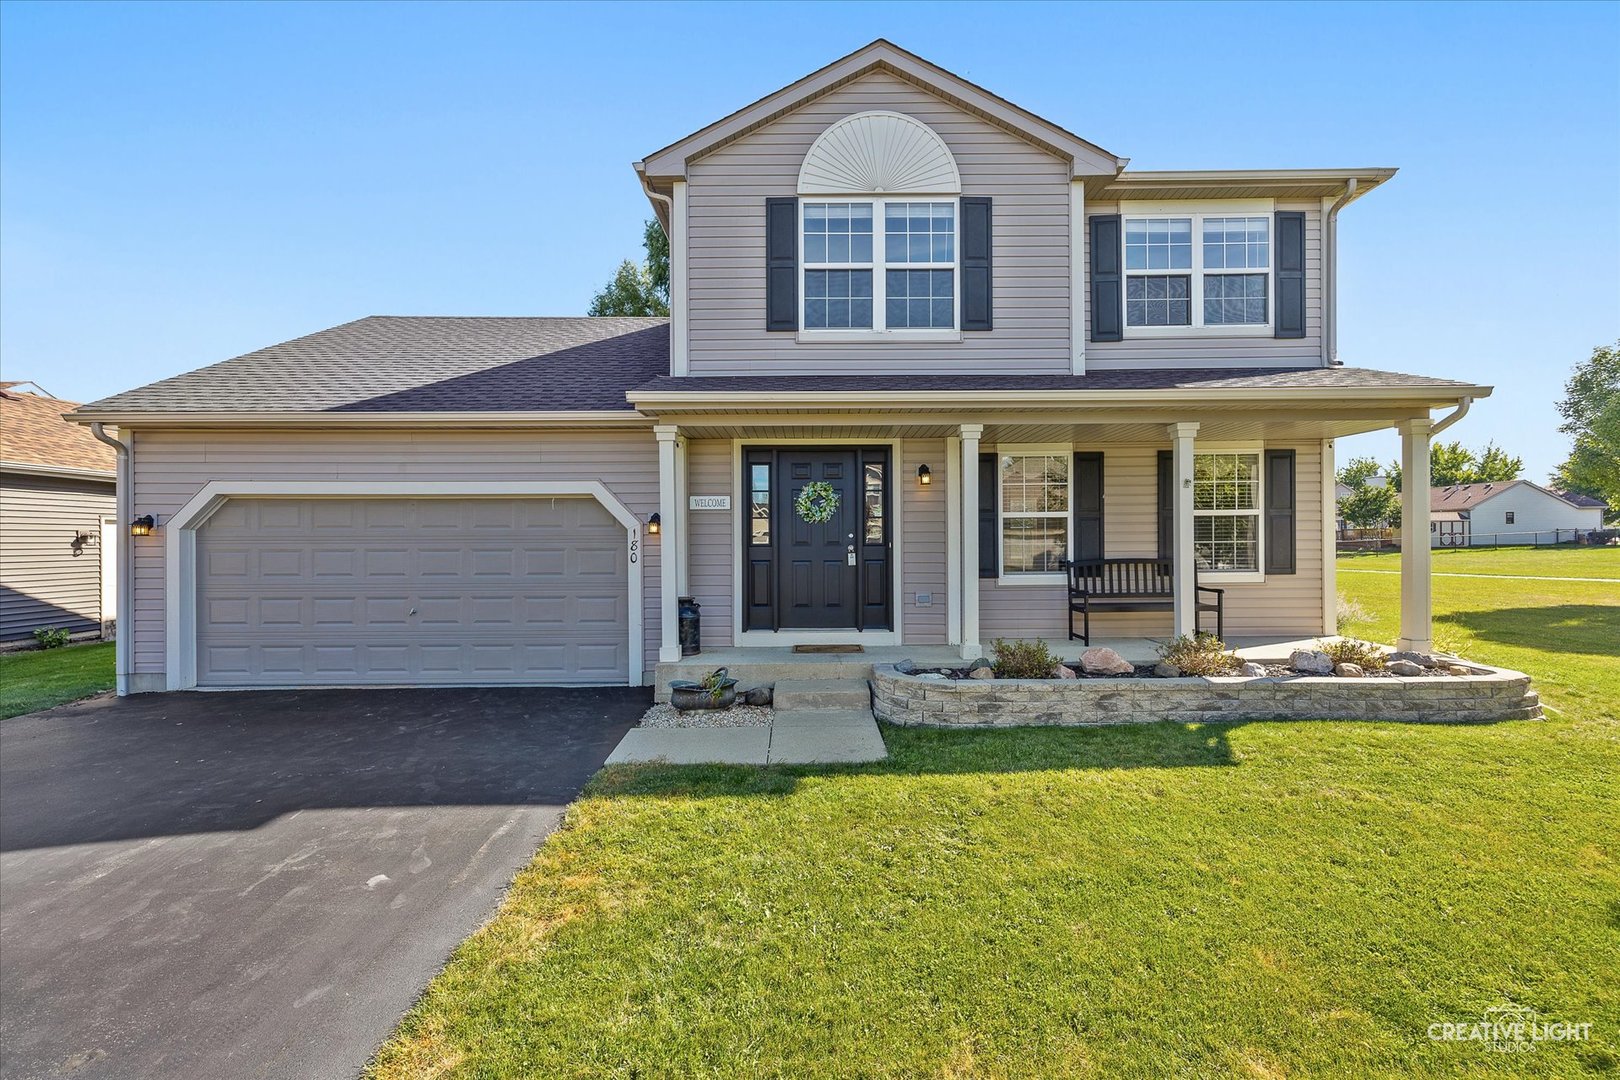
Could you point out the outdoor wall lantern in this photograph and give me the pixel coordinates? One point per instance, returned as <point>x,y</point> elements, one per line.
<point>655,525</point>
<point>925,476</point>
<point>142,526</point>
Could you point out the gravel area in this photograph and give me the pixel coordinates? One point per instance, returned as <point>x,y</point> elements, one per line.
<point>668,716</point>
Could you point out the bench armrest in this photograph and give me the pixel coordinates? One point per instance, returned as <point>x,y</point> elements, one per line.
<point>1209,588</point>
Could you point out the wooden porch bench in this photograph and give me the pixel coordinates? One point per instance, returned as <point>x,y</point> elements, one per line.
<point>1133,585</point>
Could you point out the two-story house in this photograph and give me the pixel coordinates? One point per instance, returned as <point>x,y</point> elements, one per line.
<point>927,348</point>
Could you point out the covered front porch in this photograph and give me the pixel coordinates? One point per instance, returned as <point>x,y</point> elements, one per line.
<point>960,508</point>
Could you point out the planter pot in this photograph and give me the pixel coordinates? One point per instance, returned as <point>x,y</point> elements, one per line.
<point>686,698</point>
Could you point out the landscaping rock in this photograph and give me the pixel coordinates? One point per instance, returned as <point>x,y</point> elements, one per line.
<point>985,672</point>
<point>1458,669</point>
<point>1164,669</point>
<point>1310,662</point>
<point>981,662</point>
<point>1101,661</point>
<point>932,675</point>
<point>1349,671</point>
<point>757,695</point>
<point>1421,659</point>
<point>1407,668</point>
<point>1252,670</point>
<point>1062,672</point>
<point>905,667</point>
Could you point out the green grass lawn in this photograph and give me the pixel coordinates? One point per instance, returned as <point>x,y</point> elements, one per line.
<point>1592,562</point>
<point>1267,899</point>
<point>34,680</point>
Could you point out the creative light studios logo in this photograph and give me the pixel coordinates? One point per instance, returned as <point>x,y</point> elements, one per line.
<point>1510,1029</point>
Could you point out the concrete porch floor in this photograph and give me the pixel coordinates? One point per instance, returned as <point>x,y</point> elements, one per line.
<point>763,666</point>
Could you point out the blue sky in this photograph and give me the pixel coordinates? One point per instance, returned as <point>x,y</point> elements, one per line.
<point>180,184</point>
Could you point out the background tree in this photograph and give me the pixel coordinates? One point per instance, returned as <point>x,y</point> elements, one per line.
<point>1371,507</point>
<point>1357,471</point>
<point>639,289</point>
<point>1452,463</point>
<point>1591,411</point>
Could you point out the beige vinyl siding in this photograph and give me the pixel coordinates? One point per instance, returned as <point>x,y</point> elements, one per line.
<point>1282,604</point>
<point>922,533</point>
<point>713,536</point>
<point>43,583</point>
<point>726,240</point>
<point>1205,350</point>
<point>172,466</point>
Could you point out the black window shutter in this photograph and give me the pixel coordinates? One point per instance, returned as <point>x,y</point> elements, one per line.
<point>989,529</point>
<point>976,307</point>
<point>1280,516</point>
<point>1088,506</point>
<point>1107,306</point>
<point>782,264</point>
<point>1167,505</point>
<point>1290,274</point>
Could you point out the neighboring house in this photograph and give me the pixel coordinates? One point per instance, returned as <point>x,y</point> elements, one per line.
<point>1510,512</point>
<point>995,345</point>
<point>57,540</point>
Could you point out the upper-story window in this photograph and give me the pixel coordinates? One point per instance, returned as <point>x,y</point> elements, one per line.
<point>906,282</point>
<point>1197,271</point>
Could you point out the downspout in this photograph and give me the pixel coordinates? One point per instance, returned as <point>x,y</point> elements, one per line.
<point>669,203</point>
<point>124,620</point>
<point>1462,411</point>
<point>1330,266</point>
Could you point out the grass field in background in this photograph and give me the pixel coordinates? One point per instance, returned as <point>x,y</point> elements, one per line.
<point>1260,900</point>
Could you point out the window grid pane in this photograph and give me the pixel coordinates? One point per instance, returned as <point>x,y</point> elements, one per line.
<point>1237,243</point>
<point>1234,299</point>
<point>1226,519</point>
<point>1158,300</point>
<point>838,299</point>
<point>1158,244</point>
<point>919,232</point>
<point>1033,545</point>
<point>1035,507</point>
<point>920,298</point>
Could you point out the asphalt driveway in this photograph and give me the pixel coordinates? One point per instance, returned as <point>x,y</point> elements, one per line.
<point>259,884</point>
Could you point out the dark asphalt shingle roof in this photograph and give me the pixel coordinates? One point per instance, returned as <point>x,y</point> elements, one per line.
<point>389,363</point>
<point>1345,378</point>
<point>431,364</point>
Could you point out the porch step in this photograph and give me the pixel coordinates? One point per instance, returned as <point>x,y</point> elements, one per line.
<point>798,695</point>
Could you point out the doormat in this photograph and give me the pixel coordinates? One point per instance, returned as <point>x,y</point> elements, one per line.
<point>828,648</point>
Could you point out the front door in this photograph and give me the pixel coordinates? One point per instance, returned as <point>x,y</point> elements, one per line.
<point>801,573</point>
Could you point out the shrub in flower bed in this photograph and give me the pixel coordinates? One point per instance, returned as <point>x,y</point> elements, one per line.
<point>1364,654</point>
<point>1023,659</point>
<point>1200,654</point>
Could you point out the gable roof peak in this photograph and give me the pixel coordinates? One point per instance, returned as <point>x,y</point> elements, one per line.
<point>1085,158</point>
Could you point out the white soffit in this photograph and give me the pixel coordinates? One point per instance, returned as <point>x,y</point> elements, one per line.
<point>879,153</point>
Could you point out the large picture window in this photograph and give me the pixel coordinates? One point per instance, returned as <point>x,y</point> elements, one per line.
<point>1034,512</point>
<point>1226,511</point>
<point>906,281</point>
<point>1197,271</point>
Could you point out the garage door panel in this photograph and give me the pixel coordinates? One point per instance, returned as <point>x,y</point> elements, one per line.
<point>401,590</point>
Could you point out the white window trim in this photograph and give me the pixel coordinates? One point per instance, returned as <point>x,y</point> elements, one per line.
<point>1032,577</point>
<point>1197,213</point>
<point>878,265</point>
<point>1238,577</point>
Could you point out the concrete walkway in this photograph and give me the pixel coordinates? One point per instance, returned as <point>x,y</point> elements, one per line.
<point>793,737</point>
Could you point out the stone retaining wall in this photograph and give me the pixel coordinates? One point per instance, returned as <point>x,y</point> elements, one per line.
<point>1493,694</point>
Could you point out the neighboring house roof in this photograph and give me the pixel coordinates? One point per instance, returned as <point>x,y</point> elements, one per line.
<point>1468,496</point>
<point>1576,499</point>
<point>400,364</point>
<point>35,438</point>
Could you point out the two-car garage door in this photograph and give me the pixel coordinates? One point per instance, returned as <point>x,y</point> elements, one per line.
<point>349,592</point>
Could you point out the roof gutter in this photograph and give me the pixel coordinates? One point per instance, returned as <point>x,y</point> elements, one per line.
<point>663,212</point>
<point>123,619</point>
<point>1462,410</point>
<point>578,418</point>
<point>1327,395</point>
<point>1330,264</point>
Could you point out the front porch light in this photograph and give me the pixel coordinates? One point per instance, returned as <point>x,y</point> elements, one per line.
<point>142,526</point>
<point>655,525</point>
<point>924,475</point>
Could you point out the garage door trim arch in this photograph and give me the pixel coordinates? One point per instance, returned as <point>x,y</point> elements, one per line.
<point>180,579</point>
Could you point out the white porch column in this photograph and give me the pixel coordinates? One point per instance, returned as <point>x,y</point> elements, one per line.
<point>682,549</point>
<point>953,541</point>
<point>1417,632</point>
<point>969,524</point>
<point>1184,562</point>
<point>669,586</point>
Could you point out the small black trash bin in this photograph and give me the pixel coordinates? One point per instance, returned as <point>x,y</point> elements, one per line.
<point>691,627</point>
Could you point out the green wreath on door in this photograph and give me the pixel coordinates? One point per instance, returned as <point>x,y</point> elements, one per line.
<point>817,502</point>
